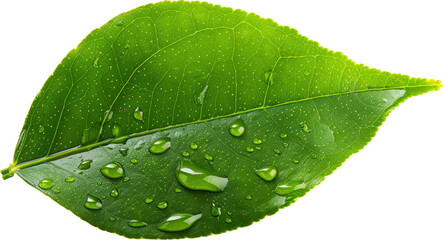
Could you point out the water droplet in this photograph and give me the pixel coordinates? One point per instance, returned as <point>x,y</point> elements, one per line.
<point>313,156</point>
<point>99,183</point>
<point>305,127</point>
<point>258,148</point>
<point>249,197</point>
<point>112,219</point>
<point>201,97</point>
<point>277,151</point>
<point>268,130</point>
<point>138,114</point>
<point>178,190</point>
<point>249,149</point>
<point>134,161</point>
<point>195,178</point>
<point>208,157</point>
<point>306,73</point>
<point>114,193</point>
<point>41,129</point>
<point>149,200</point>
<point>295,161</point>
<point>162,205</point>
<point>96,63</point>
<point>228,220</point>
<point>46,184</point>
<point>160,145</point>
<point>119,23</point>
<point>93,203</point>
<point>113,170</point>
<point>139,145</point>
<point>257,141</point>
<point>103,196</point>
<point>267,173</point>
<point>185,154</point>
<point>124,151</point>
<point>56,190</point>
<point>137,224</point>
<point>69,179</point>
<point>126,179</point>
<point>179,222</point>
<point>283,135</point>
<point>215,210</point>
<point>193,146</point>
<point>237,128</point>
<point>86,164</point>
<point>285,145</point>
<point>287,188</point>
<point>117,131</point>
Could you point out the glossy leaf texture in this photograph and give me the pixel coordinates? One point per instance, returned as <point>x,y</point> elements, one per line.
<point>182,119</point>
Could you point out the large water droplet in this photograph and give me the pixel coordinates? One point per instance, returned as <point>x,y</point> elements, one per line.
<point>162,205</point>
<point>86,164</point>
<point>195,178</point>
<point>138,114</point>
<point>267,173</point>
<point>193,146</point>
<point>185,154</point>
<point>201,97</point>
<point>257,141</point>
<point>237,128</point>
<point>160,146</point>
<point>287,188</point>
<point>215,210</point>
<point>113,170</point>
<point>149,200</point>
<point>137,224</point>
<point>46,184</point>
<point>93,203</point>
<point>179,222</point>
<point>114,193</point>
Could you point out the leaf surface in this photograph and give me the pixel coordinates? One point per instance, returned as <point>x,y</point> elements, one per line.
<point>182,119</point>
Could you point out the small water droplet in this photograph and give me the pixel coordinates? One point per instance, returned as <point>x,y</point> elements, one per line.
<point>296,161</point>
<point>134,161</point>
<point>179,222</point>
<point>114,193</point>
<point>124,151</point>
<point>215,210</point>
<point>305,127</point>
<point>195,178</point>
<point>257,141</point>
<point>46,184</point>
<point>287,188</point>
<point>249,149</point>
<point>208,157</point>
<point>138,114</point>
<point>283,135</point>
<point>185,154</point>
<point>249,197</point>
<point>201,97</point>
<point>268,130</point>
<point>103,196</point>
<point>313,156</point>
<point>149,200</point>
<point>267,173</point>
<point>306,73</point>
<point>56,190</point>
<point>96,63</point>
<point>258,148</point>
<point>193,146</point>
<point>160,145</point>
<point>117,131</point>
<point>119,23</point>
<point>237,128</point>
<point>137,224</point>
<point>139,145</point>
<point>228,220</point>
<point>86,164</point>
<point>69,179</point>
<point>99,183</point>
<point>112,219</point>
<point>178,190</point>
<point>41,129</point>
<point>277,151</point>
<point>126,179</point>
<point>285,145</point>
<point>113,170</point>
<point>162,205</point>
<point>93,203</point>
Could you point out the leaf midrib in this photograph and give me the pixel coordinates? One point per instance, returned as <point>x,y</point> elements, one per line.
<point>79,149</point>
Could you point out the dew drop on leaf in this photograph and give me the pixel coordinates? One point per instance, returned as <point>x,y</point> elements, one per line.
<point>85,164</point>
<point>195,178</point>
<point>201,97</point>
<point>56,190</point>
<point>137,224</point>
<point>267,173</point>
<point>149,200</point>
<point>179,222</point>
<point>160,145</point>
<point>249,197</point>
<point>41,129</point>
<point>124,151</point>
<point>257,141</point>
<point>178,190</point>
<point>208,157</point>
<point>113,170</point>
<point>162,205</point>
<point>126,179</point>
<point>69,179</point>
<point>119,23</point>
<point>193,146</point>
<point>287,188</point>
<point>93,203</point>
<point>249,149</point>
<point>277,151</point>
<point>96,63</point>
<point>283,135</point>
<point>134,161</point>
<point>46,184</point>
<point>139,145</point>
<point>215,210</point>
<point>237,128</point>
<point>185,154</point>
<point>228,220</point>
<point>117,131</point>
<point>138,114</point>
<point>114,193</point>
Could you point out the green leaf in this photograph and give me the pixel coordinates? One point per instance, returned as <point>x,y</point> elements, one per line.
<point>183,119</point>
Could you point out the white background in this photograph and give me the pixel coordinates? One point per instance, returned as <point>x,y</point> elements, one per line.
<point>390,190</point>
